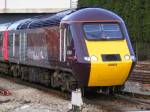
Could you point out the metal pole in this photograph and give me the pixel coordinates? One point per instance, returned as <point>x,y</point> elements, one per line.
<point>5,5</point>
<point>65,31</point>
<point>70,3</point>
<point>60,46</point>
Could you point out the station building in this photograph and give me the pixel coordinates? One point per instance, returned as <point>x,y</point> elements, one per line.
<point>11,10</point>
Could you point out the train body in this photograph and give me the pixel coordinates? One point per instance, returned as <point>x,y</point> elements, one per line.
<point>88,47</point>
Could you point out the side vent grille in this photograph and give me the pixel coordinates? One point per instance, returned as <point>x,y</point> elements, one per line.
<point>111,57</point>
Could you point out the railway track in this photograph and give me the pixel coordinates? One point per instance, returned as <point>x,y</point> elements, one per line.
<point>35,85</point>
<point>141,73</point>
<point>119,102</point>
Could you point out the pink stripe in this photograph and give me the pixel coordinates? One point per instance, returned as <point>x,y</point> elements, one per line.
<point>5,46</point>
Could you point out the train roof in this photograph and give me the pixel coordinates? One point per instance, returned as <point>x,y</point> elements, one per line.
<point>86,14</point>
<point>16,24</point>
<point>92,14</point>
<point>4,27</point>
<point>36,22</point>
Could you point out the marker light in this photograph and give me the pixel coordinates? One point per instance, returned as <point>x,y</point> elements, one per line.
<point>87,58</point>
<point>127,57</point>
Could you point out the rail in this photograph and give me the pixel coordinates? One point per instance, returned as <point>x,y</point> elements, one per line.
<point>141,73</point>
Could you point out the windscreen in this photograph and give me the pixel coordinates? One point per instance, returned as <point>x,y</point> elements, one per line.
<point>102,31</point>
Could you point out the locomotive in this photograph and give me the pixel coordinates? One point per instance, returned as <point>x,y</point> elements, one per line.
<point>87,48</point>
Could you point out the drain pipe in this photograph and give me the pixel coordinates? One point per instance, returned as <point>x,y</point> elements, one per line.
<point>5,6</point>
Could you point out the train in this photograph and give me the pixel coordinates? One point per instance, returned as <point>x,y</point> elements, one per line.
<point>86,48</point>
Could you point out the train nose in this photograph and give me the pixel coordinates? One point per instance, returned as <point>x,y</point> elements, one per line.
<point>113,64</point>
<point>109,73</point>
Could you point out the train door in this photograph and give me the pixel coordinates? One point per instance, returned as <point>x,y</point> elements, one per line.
<point>22,45</point>
<point>66,44</point>
<point>13,45</point>
<point>11,51</point>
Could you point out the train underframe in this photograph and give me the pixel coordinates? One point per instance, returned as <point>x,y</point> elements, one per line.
<point>63,80</point>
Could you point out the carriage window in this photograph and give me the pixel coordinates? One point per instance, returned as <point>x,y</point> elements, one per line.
<point>1,44</point>
<point>102,31</point>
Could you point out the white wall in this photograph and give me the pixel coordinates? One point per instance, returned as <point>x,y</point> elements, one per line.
<point>2,4</point>
<point>35,5</point>
<point>17,4</point>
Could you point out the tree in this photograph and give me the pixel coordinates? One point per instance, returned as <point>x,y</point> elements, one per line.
<point>146,21</point>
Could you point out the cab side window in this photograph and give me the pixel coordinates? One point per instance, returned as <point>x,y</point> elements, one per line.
<point>68,37</point>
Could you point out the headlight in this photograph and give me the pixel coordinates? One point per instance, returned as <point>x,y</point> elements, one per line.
<point>127,57</point>
<point>94,58</point>
<point>87,58</point>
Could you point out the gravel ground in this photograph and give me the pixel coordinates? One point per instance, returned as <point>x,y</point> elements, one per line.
<point>135,87</point>
<point>27,99</point>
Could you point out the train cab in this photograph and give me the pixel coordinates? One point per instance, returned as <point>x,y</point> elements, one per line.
<point>103,51</point>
